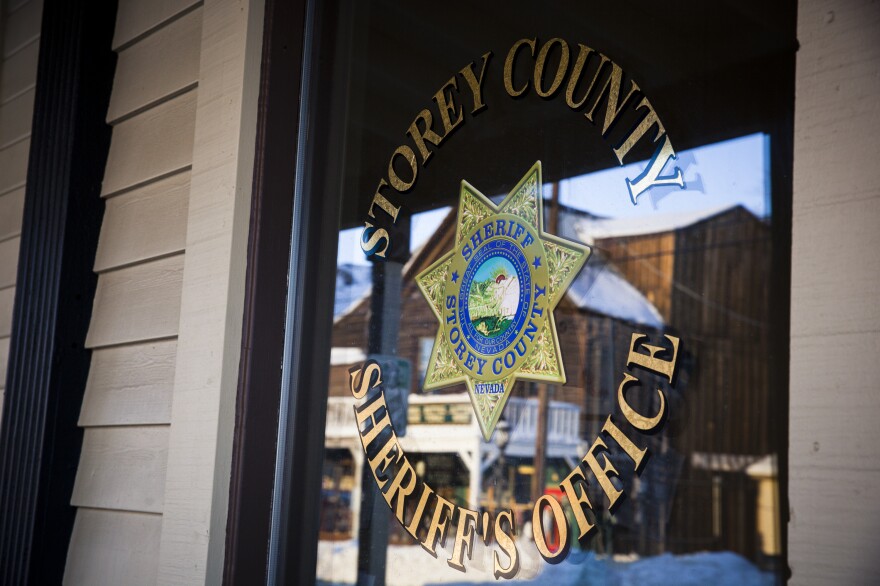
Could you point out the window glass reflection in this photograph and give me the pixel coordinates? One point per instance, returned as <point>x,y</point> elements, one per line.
<point>692,262</point>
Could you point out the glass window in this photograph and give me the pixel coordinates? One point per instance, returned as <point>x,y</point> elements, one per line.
<point>558,260</point>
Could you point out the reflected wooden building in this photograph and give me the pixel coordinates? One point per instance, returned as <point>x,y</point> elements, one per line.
<point>705,278</point>
<point>691,276</point>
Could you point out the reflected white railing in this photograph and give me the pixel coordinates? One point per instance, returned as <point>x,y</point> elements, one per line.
<point>563,421</point>
<point>340,417</point>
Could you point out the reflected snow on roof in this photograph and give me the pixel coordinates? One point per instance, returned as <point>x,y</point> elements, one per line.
<point>598,287</point>
<point>589,229</point>
<point>601,289</point>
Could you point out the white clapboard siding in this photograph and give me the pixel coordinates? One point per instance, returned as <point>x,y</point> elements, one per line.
<point>13,165</point>
<point>19,72</point>
<point>130,384</point>
<point>122,468</point>
<point>145,223</point>
<point>137,303</point>
<point>126,410</point>
<point>22,27</point>
<point>203,408</point>
<point>8,261</point>
<point>834,466</point>
<point>11,207</point>
<point>135,18</point>
<point>826,273</point>
<point>151,145</point>
<point>15,118</point>
<point>4,354</point>
<point>19,35</point>
<point>162,64</point>
<point>7,296</point>
<point>109,548</point>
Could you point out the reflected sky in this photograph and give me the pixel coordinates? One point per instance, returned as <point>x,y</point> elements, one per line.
<point>717,176</point>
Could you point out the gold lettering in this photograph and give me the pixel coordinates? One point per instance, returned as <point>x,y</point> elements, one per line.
<point>560,71</point>
<point>551,557</point>
<point>635,418</point>
<point>368,411</point>
<point>388,453</point>
<point>509,64</point>
<point>414,523</point>
<point>650,361</point>
<point>383,202</point>
<point>420,137</point>
<point>410,157</point>
<point>612,87</point>
<point>437,529</point>
<point>446,103</point>
<point>639,131</point>
<point>579,63</point>
<point>603,473</point>
<point>574,488</point>
<point>628,446</point>
<point>507,545</point>
<point>464,538</point>
<point>476,84</point>
<point>398,490</point>
<point>361,383</point>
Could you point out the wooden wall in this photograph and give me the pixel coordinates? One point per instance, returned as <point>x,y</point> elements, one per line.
<point>153,479</point>
<point>20,36</point>
<point>126,412</point>
<point>834,467</point>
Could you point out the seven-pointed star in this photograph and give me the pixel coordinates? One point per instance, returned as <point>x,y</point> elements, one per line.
<point>562,260</point>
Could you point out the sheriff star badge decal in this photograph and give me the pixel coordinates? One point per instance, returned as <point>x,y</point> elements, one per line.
<point>494,295</point>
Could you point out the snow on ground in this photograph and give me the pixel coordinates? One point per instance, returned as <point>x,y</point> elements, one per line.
<point>410,565</point>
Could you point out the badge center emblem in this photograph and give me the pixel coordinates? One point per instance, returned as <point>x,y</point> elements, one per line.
<point>494,295</point>
<point>499,303</point>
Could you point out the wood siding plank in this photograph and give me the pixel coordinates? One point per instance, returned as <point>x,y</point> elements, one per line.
<point>151,145</point>
<point>19,72</point>
<point>203,409</point>
<point>108,548</point>
<point>13,165</point>
<point>834,467</point>
<point>134,18</point>
<point>16,116</point>
<point>9,261</point>
<point>821,439</point>
<point>11,208</point>
<point>130,385</point>
<point>162,64</point>
<point>145,223</point>
<point>7,297</point>
<point>22,27</point>
<point>137,303</point>
<point>4,357</point>
<point>122,468</point>
<point>844,269</point>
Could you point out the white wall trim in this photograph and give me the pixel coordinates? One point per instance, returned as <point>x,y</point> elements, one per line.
<point>203,406</point>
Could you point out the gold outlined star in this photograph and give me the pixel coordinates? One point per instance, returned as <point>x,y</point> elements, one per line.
<point>555,263</point>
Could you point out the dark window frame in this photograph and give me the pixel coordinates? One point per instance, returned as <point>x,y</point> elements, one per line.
<point>40,441</point>
<point>275,217</point>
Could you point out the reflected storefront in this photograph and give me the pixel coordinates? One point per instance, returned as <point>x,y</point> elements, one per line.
<point>561,259</point>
